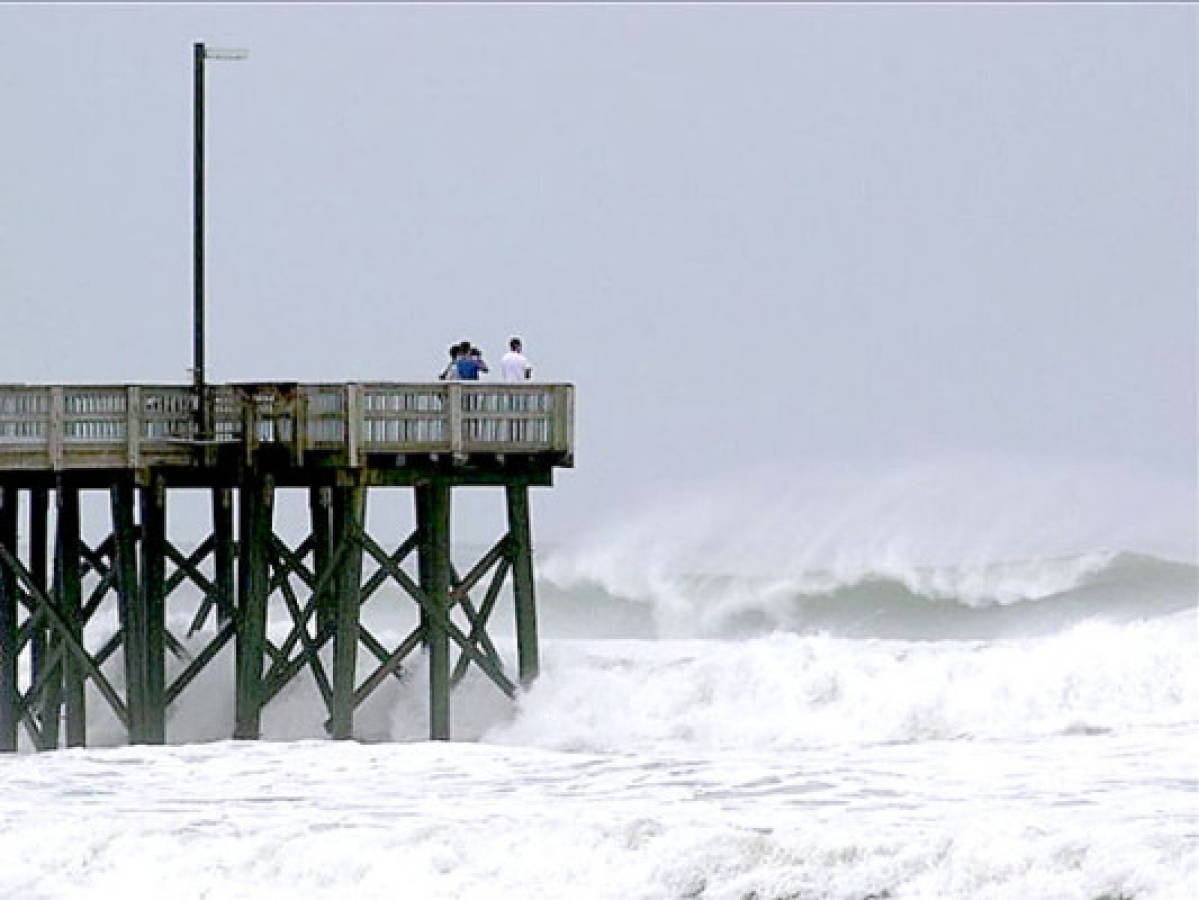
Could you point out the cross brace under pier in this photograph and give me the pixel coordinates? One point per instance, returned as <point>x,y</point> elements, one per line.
<point>55,638</point>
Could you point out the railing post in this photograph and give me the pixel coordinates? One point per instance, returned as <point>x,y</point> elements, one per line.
<point>353,424</point>
<point>55,427</point>
<point>133,425</point>
<point>454,409</point>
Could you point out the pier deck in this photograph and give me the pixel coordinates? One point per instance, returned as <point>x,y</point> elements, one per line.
<point>336,441</point>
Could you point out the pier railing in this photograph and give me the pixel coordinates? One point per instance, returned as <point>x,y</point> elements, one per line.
<point>131,426</point>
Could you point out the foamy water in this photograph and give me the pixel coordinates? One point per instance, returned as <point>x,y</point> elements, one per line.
<point>869,721</point>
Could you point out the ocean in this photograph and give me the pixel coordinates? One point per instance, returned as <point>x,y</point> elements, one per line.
<point>751,713</point>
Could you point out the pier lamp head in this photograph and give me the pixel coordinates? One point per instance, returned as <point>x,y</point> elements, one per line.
<point>225,53</point>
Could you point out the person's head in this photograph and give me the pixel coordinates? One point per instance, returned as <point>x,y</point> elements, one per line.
<point>514,345</point>
<point>464,348</point>
<point>476,352</point>
<point>453,351</point>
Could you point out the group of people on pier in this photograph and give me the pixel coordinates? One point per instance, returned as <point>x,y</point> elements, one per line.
<point>467,363</point>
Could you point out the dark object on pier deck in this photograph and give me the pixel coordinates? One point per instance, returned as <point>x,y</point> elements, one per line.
<point>139,443</point>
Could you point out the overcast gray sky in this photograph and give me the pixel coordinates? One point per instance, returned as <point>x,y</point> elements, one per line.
<point>753,236</point>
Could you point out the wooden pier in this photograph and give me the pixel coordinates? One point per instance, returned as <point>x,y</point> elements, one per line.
<point>141,443</point>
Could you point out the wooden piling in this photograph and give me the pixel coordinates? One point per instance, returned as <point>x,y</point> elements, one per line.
<point>434,526</point>
<point>256,509</point>
<point>320,507</point>
<point>10,698</point>
<point>68,579</point>
<point>524,600</point>
<point>44,644</point>
<point>153,601</point>
<point>132,612</point>
<point>223,553</point>
<point>349,507</point>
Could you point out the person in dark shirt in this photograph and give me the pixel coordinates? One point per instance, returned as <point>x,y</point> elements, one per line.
<point>471,363</point>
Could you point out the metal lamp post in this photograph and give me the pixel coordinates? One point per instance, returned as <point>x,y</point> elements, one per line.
<point>201,53</point>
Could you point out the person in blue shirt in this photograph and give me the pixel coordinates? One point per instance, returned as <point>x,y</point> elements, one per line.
<point>470,362</point>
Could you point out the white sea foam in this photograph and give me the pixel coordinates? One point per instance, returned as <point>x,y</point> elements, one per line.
<point>788,692</point>
<point>325,820</point>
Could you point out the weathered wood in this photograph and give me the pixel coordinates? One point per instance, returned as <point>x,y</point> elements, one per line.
<point>421,495</point>
<point>223,553</point>
<point>440,614</point>
<point>524,601</point>
<point>397,558</point>
<point>256,510</point>
<point>203,658</point>
<point>153,599</point>
<point>481,641</point>
<point>51,697</point>
<point>10,563</point>
<point>435,528</point>
<point>349,506</point>
<point>114,427</point>
<point>132,611</point>
<point>320,506</point>
<point>389,666</point>
<point>478,629</point>
<point>10,697</point>
<point>301,629</point>
<point>69,581</point>
<point>334,441</point>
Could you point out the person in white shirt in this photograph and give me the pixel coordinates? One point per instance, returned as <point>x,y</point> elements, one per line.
<point>515,366</point>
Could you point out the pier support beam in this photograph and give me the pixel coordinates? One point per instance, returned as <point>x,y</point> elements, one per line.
<point>320,507</point>
<point>153,580</point>
<point>10,698</point>
<point>349,508</point>
<point>222,550</point>
<point>43,643</point>
<point>528,655</point>
<point>68,578</point>
<point>433,523</point>
<point>257,507</point>
<point>132,612</point>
